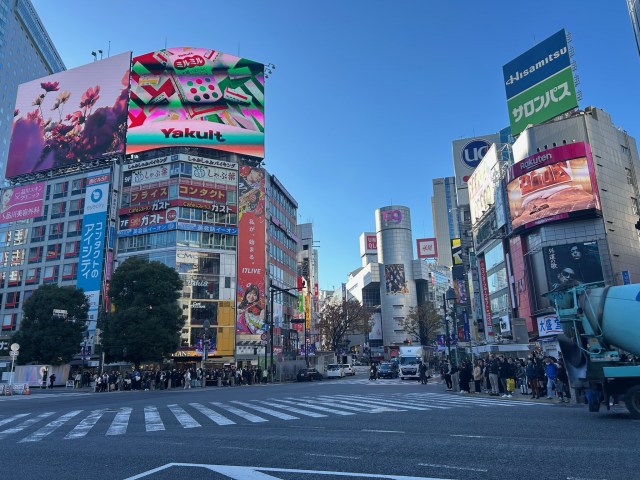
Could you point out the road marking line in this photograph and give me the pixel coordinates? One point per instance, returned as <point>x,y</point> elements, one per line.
<point>152,420</point>
<point>453,467</point>
<point>470,436</point>
<point>186,420</point>
<point>383,431</point>
<point>50,427</point>
<point>4,421</point>
<point>307,413</point>
<point>25,424</point>
<point>332,456</point>
<point>85,426</point>
<point>241,413</point>
<point>268,411</point>
<point>120,422</point>
<point>317,407</point>
<point>385,401</point>
<point>212,415</point>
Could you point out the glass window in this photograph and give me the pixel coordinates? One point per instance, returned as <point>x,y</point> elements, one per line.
<point>494,256</point>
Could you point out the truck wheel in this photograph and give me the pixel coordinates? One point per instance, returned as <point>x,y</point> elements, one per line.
<point>632,401</point>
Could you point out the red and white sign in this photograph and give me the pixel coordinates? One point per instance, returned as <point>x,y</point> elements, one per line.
<point>427,247</point>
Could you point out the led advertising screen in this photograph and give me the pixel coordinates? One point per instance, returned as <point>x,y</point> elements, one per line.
<point>539,83</point>
<point>572,264</point>
<point>481,185</point>
<point>196,97</point>
<point>70,117</point>
<point>20,203</point>
<point>554,184</point>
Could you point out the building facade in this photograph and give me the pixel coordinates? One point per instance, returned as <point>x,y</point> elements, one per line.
<point>444,211</point>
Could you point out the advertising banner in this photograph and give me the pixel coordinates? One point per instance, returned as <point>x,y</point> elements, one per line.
<point>481,185</point>
<point>395,280</point>
<point>251,253</point>
<point>542,102</point>
<point>486,300</point>
<point>196,97</point>
<point>427,247</point>
<point>552,185</point>
<point>549,325</point>
<point>69,117</point>
<point>92,242</point>
<point>467,154</point>
<point>572,264</point>
<point>20,203</point>
<point>456,251</point>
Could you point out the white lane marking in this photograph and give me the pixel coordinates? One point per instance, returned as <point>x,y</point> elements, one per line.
<point>186,420</point>
<point>332,456</point>
<point>384,401</point>
<point>25,424</point>
<point>383,431</point>
<point>212,415</point>
<point>406,403</point>
<point>50,427</point>
<point>241,413</point>
<point>453,467</point>
<point>582,478</point>
<point>237,472</point>
<point>86,425</point>
<point>268,411</point>
<point>120,422</point>
<point>152,420</point>
<point>329,401</point>
<point>284,406</point>
<point>316,407</point>
<point>4,421</point>
<point>371,407</point>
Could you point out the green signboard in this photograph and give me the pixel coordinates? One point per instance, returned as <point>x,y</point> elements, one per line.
<point>545,100</point>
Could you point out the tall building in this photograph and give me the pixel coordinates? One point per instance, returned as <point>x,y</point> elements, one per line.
<point>634,14</point>
<point>444,210</point>
<point>26,52</point>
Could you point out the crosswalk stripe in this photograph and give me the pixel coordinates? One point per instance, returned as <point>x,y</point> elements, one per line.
<point>50,427</point>
<point>212,415</point>
<point>407,402</point>
<point>317,407</point>
<point>472,400</point>
<point>241,413</point>
<point>363,406</point>
<point>268,411</point>
<point>328,401</point>
<point>25,424</point>
<point>186,420</point>
<point>369,400</point>
<point>4,421</point>
<point>120,422</point>
<point>152,420</point>
<point>86,425</point>
<point>306,413</point>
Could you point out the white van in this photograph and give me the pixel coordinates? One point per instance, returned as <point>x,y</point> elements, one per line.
<point>335,370</point>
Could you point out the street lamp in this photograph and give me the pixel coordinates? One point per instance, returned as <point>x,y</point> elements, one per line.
<point>448,296</point>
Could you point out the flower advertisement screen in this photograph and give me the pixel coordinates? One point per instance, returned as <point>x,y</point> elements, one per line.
<point>196,97</point>
<point>70,117</point>
<point>554,184</point>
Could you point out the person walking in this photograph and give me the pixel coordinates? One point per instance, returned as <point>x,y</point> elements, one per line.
<point>52,379</point>
<point>423,373</point>
<point>447,376</point>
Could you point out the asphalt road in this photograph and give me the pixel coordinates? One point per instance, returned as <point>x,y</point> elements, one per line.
<point>348,428</point>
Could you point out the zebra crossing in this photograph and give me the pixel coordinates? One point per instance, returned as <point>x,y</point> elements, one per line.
<point>366,381</point>
<point>77,424</point>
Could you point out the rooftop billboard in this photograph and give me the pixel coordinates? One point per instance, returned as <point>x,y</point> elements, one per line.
<point>539,83</point>
<point>467,154</point>
<point>196,97</point>
<point>70,117</point>
<point>20,203</point>
<point>481,185</point>
<point>554,184</point>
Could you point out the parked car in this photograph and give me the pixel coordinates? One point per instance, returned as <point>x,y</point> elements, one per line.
<point>388,370</point>
<point>308,375</point>
<point>335,370</point>
<point>348,369</point>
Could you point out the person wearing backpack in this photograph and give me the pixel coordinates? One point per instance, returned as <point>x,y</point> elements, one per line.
<point>551,371</point>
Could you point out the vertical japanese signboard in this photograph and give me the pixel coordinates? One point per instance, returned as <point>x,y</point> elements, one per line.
<point>251,252</point>
<point>92,243</point>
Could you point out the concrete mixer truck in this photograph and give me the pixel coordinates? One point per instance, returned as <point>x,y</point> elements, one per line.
<point>601,335</point>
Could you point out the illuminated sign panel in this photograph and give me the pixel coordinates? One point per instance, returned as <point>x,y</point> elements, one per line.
<point>20,203</point>
<point>427,247</point>
<point>70,117</point>
<point>552,185</point>
<point>481,185</point>
<point>196,97</point>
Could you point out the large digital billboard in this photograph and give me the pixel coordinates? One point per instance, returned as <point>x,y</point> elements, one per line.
<point>572,264</point>
<point>70,117</point>
<point>539,83</point>
<point>481,185</point>
<point>196,97</point>
<point>552,185</point>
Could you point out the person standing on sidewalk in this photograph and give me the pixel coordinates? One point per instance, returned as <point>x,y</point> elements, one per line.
<point>478,376</point>
<point>562,382</point>
<point>494,371</point>
<point>532,378</point>
<point>551,371</point>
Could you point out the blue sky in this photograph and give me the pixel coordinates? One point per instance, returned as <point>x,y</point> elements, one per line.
<point>368,95</point>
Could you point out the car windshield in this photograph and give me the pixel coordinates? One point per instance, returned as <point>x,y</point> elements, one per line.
<point>408,360</point>
<point>346,366</point>
<point>333,367</point>
<point>385,366</point>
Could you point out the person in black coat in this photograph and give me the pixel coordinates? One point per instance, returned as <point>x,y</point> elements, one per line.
<point>532,378</point>
<point>465,377</point>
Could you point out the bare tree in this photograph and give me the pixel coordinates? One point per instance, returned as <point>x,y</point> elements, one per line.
<point>423,323</point>
<point>335,320</point>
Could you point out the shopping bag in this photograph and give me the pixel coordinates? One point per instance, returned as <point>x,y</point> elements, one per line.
<point>511,384</point>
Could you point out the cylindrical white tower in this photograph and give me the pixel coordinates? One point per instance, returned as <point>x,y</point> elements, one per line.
<point>395,254</point>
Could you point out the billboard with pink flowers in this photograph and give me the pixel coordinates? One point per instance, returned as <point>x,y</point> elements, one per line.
<point>196,97</point>
<point>70,117</point>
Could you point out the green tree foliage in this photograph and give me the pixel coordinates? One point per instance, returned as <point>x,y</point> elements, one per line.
<point>423,323</point>
<point>336,320</point>
<point>146,322</point>
<point>45,339</point>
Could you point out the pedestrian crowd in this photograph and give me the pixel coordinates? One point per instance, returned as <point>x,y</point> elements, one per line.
<point>164,379</point>
<point>499,375</point>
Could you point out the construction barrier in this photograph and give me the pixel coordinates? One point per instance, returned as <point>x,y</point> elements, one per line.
<point>21,389</point>
<point>6,390</point>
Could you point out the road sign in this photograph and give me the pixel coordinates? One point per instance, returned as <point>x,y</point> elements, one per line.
<point>15,347</point>
<point>14,354</point>
<point>263,336</point>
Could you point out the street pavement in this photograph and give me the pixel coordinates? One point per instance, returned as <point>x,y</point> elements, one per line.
<point>330,430</point>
